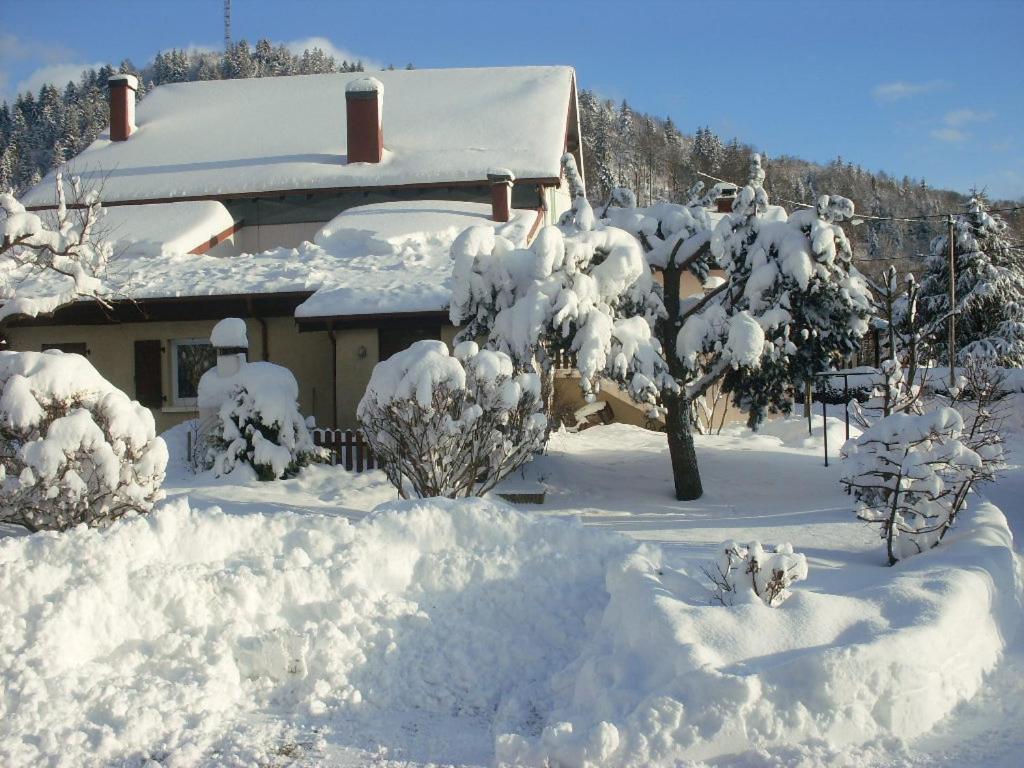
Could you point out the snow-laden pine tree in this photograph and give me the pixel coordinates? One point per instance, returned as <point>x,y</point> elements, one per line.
<point>581,286</point>
<point>796,305</point>
<point>989,283</point>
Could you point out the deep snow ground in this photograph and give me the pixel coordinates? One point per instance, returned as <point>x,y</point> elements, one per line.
<point>772,487</point>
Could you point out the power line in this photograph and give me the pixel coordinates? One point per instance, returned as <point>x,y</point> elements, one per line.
<point>922,217</point>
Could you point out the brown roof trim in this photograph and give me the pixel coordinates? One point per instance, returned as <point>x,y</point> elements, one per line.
<point>387,320</point>
<point>545,181</point>
<point>170,309</point>
<point>217,239</point>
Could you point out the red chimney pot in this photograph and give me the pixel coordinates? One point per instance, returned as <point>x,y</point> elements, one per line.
<point>122,106</point>
<point>363,103</point>
<point>501,180</point>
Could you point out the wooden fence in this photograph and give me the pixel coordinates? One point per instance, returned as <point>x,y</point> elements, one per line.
<point>347,448</point>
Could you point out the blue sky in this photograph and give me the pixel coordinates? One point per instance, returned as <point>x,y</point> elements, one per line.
<point>931,89</point>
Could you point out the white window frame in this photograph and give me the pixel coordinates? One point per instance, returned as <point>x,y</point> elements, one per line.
<point>176,399</point>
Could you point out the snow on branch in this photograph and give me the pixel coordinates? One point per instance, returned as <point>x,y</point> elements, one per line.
<point>745,573</point>
<point>67,244</point>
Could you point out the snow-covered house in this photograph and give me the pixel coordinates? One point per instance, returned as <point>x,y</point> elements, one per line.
<point>319,208</point>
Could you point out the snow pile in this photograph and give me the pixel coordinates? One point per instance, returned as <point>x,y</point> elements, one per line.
<point>257,423</point>
<point>75,448</point>
<point>451,426</point>
<point>663,679</point>
<point>165,637</point>
<point>230,333</point>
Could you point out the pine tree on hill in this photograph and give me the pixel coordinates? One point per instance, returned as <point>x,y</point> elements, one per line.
<point>989,282</point>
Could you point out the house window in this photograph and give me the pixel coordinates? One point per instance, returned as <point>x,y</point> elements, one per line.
<point>190,359</point>
<point>69,347</point>
<point>391,340</point>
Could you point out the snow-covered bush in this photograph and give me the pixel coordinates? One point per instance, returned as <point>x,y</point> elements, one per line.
<point>73,448</point>
<point>745,573</point>
<point>911,474</point>
<point>257,422</point>
<point>67,245</point>
<point>451,425</point>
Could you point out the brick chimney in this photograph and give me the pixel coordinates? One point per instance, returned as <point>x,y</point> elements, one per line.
<point>501,180</point>
<point>122,106</point>
<point>726,197</point>
<point>364,99</point>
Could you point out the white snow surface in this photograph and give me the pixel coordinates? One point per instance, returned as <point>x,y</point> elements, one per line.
<point>229,333</point>
<point>161,229</point>
<point>386,257</point>
<point>466,633</point>
<point>288,133</point>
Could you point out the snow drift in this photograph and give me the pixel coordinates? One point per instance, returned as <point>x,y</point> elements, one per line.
<point>198,638</point>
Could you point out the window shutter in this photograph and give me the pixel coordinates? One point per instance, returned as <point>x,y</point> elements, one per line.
<point>148,374</point>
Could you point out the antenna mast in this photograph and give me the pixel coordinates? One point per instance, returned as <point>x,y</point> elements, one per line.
<point>227,25</point>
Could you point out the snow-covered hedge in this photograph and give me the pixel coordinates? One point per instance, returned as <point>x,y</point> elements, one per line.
<point>258,423</point>
<point>73,448</point>
<point>445,425</point>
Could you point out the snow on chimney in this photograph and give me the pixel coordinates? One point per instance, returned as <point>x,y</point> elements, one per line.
<point>122,106</point>
<point>364,99</point>
<point>501,180</point>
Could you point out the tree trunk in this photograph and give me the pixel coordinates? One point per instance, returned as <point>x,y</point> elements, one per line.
<point>685,472</point>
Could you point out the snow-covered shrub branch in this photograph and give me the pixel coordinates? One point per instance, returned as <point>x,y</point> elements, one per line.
<point>73,448</point>
<point>257,423</point>
<point>70,247</point>
<point>911,474</point>
<point>744,573</point>
<point>451,425</point>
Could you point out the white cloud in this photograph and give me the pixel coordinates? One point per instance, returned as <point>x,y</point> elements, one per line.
<point>948,134</point>
<point>964,116</point>
<point>325,45</point>
<point>14,48</point>
<point>900,89</point>
<point>58,74</point>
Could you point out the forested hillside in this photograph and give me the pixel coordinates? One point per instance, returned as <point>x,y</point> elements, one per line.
<point>650,155</point>
<point>622,147</point>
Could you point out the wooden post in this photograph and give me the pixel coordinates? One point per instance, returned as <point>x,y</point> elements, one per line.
<point>951,341</point>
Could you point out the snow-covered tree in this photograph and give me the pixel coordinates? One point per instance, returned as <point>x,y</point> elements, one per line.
<point>989,288</point>
<point>791,276</point>
<point>451,425</point>
<point>73,448</point>
<point>750,573</point>
<point>583,287</point>
<point>256,420</point>
<point>911,474</point>
<point>68,246</point>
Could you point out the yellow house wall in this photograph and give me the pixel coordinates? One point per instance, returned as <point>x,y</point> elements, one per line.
<point>111,350</point>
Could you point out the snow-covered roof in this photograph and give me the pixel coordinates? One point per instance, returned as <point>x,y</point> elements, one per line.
<point>228,137</point>
<point>164,228</point>
<point>382,258</point>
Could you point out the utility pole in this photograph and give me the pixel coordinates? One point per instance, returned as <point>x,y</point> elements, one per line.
<point>951,341</point>
<point>227,25</point>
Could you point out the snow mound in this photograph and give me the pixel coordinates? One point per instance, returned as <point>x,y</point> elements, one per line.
<point>229,332</point>
<point>166,636</point>
<point>200,638</point>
